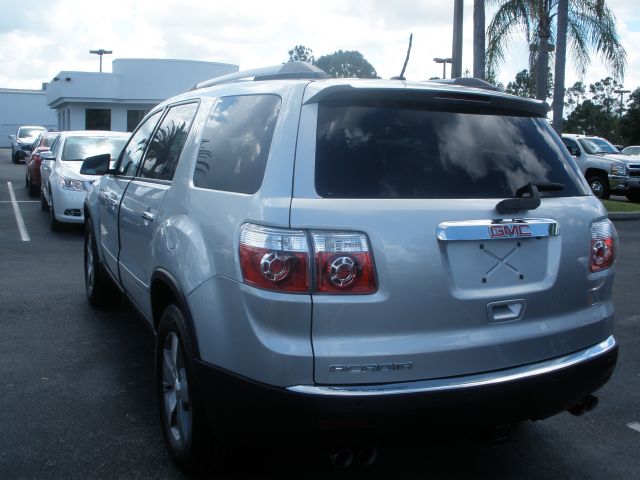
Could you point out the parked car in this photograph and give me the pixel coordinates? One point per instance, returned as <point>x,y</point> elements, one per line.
<point>63,187</point>
<point>632,150</point>
<point>22,141</point>
<point>606,169</point>
<point>43,143</point>
<point>329,254</point>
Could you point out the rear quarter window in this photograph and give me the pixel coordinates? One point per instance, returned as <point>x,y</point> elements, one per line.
<point>236,142</point>
<point>372,151</point>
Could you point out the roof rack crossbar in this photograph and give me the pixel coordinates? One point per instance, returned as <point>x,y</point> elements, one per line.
<point>290,70</point>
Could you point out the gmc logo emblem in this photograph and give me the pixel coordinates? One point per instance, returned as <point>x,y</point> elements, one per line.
<point>509,231</point>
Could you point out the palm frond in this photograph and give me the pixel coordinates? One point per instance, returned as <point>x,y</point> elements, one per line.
<point>509,17</point>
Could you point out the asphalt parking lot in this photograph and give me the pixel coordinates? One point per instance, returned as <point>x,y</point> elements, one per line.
<point>77,384</point>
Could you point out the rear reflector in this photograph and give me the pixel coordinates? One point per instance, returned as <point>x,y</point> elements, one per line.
<point>602,245</point>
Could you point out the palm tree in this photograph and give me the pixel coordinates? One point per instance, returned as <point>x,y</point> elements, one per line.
<point>590,27</point>
<point>478,40</point>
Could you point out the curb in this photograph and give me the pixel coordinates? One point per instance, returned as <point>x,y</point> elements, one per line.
<point>623,216</point>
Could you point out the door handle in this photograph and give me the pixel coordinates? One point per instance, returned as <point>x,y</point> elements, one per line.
<point>148,216</point>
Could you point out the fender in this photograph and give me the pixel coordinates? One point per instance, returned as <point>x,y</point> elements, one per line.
<point>158,304</point>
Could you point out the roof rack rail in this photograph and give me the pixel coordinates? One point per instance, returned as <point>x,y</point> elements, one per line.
<point>468,82</point>
<point>290,70</point>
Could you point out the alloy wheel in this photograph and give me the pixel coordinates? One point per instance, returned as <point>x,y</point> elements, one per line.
<point>175,388</point>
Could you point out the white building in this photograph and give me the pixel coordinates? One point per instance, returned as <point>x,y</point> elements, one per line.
<point>23,107</point>
<point>103,101</point>
<point>118,100</point>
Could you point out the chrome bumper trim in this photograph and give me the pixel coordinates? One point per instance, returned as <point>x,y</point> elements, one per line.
<point>467,381</point>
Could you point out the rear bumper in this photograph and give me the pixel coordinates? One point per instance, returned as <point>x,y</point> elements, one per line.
<point>483,400</point>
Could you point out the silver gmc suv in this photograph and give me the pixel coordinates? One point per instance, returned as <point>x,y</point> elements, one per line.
<point>353,254</point>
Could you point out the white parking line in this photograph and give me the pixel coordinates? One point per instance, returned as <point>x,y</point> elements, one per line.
<point>634,426</point>
<point>16,210</point>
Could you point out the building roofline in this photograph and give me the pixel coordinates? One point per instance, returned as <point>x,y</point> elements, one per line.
<point>21,90</point>
<point>180,60</point>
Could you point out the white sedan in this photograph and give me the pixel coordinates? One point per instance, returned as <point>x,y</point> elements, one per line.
<point>63,187</point>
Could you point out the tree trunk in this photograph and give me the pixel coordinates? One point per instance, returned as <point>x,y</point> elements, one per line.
<point>542,67</point>
<point>561,59</point>
<point>478,39</point>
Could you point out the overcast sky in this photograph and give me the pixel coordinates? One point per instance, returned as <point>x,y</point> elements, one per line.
<point>38,39</point>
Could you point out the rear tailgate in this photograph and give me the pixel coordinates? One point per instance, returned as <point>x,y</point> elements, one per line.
<point>460,288</point>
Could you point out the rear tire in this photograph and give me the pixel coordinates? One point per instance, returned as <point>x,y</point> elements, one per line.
<point>32,189</point>
<point>599,186</point>
<point>183,421</point>
<point>100,290</point>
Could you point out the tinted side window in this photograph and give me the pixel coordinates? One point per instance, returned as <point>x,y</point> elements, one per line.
<point>236,142</point>
<point>164,150</point>
<point>132,154</point>
<point>411,151</point>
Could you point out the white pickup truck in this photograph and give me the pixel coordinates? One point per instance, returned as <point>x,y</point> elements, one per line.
<point>605,168</point>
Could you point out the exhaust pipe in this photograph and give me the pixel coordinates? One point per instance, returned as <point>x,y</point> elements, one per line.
<point>367,456</point>
<point>342,458</point>
<point>587,404</point>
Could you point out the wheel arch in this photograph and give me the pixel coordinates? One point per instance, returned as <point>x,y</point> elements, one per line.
<point>592,172</point>
<point>165,290</point>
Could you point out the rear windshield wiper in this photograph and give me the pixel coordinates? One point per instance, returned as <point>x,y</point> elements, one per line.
<point>530,202</point>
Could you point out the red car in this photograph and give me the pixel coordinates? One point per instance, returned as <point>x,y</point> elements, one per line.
<point>32,176</point>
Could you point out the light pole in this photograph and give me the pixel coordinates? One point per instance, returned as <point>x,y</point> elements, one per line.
<point>101,52</point>
<point>444,62</point>
<point>621,92</point>
<point>458,19</point>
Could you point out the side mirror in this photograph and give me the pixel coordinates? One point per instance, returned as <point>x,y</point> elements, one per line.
<point>96,165</point>
<point>12,137</point>
<point>47,155</point>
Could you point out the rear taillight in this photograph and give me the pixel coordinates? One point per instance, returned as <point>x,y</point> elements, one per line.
<point>602,245</point>
<point>275,259</point>
<point>278,259</point>
<point>343,263</point>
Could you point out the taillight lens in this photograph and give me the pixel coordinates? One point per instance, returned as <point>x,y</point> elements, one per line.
<point>275,259</point>
<point>343,263</point>
<point>278,259</point>
<point>602,245</point>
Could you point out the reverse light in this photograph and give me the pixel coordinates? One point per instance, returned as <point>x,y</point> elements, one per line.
<point>602,245</point>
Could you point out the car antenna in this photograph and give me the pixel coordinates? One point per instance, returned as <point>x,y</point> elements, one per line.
<point>406,60</point>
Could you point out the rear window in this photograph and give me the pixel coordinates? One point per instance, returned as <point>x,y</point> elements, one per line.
<point>79,148</point>
<point>371,151</point>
